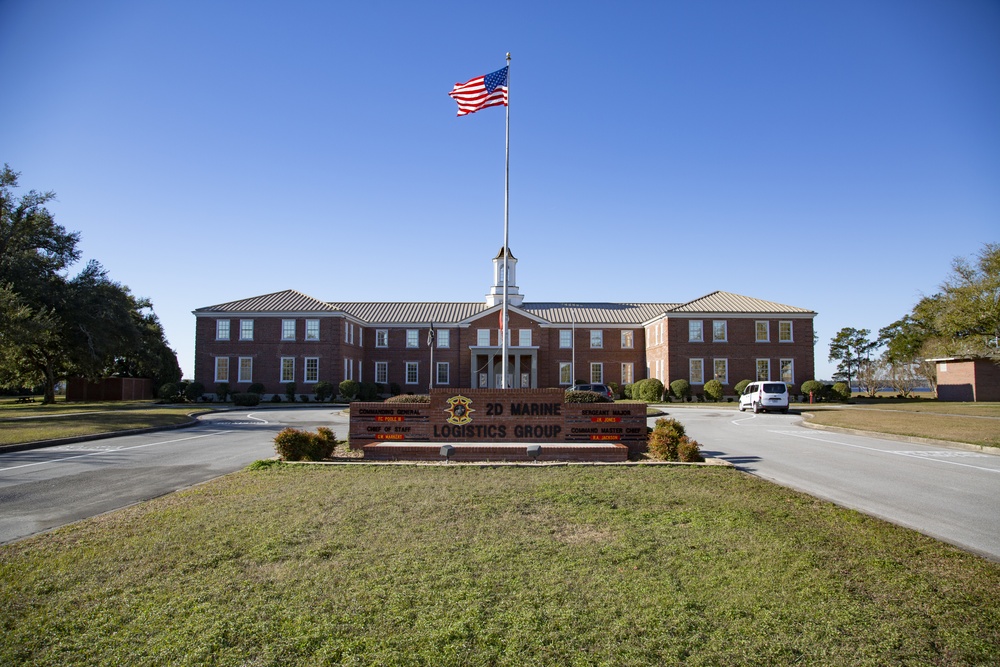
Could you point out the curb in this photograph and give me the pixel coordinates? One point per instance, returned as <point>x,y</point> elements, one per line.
<point>41,444</point>
<point>901,438</point>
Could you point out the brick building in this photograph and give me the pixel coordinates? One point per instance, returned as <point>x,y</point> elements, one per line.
<point>288,336</point>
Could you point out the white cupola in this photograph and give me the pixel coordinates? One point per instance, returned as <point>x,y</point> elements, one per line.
<point>495,296</point>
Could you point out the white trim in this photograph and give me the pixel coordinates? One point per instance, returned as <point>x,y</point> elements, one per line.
<point>239,372</point>
<point>791,331</point>
<point>281,369</point>
<point>406,375</point>
<point>285,321</point>
<point>701,366</point>
<point>767,331</point>
<point>305,370</point>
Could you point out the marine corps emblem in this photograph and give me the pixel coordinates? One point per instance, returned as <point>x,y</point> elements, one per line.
<point>460,410</point>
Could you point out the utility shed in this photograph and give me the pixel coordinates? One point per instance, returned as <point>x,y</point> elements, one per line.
<point>109,389</point>
<point>969,379</point>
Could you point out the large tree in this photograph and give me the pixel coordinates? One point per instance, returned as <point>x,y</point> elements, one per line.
<point>851,347</point>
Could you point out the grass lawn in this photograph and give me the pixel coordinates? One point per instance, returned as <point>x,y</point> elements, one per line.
<point>973,423</point>
<point>449,565</point>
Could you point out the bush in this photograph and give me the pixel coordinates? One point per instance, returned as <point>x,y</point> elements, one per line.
<point>324,391</point>
<point>290,392</point>
<point>815,388</point>
<point>246,399</point>
<point>409,398</point>
<point>714,390</point>
<point>222,391</point>
<point>681,389</point>
<point>194,391</point>
<point>255,388</point>
<point>841,392</point>
<point>649,390</point>
<point>586,397</point>
<point>304,398</point>
<point>368,391</point>
<point>294,445</point>
<point>627,391</point>
<point>689,451</point>
<point>349,389</point>
<point>665,438</point>
<point>275,398</point>
<point>740,387</point>
<point>169,392</point>
<point>395,389</point>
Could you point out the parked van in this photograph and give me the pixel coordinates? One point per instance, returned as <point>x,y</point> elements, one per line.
<point>764,396</point>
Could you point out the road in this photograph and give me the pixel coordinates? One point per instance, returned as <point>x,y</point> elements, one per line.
<point>41,489</point>
<point>945,492</point>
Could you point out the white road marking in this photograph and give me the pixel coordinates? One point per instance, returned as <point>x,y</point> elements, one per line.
<point>743,419</point>
<point>105,451</point>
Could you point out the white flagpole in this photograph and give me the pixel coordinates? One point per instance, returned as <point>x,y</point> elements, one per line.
<point>506,251</point>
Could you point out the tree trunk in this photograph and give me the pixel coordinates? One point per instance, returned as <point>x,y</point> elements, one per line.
<point>50,385</point>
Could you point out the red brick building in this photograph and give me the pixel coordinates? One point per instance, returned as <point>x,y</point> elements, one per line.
<point>968,379</point>
<point>288,336</point>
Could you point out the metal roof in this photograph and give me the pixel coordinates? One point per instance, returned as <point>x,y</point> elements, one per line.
<point>288,301</point>
<point>727,302</point>
<point>597,313</point>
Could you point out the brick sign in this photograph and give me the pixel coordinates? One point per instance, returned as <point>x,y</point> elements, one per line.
<point>491,415</point>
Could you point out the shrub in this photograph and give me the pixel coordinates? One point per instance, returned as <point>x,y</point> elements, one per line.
<point>740,387</point>
<point>714,390</point>
<point>368,391</point>
<point>394,389</point>
<point>304,398</point>
<point>246,399</point>
<point>256,388</point>
<point>169,391</point>
<point>349,389</point>
<point>294,445</point>
<point>688,450</point>
<point>324,391</point>
<point>627,391</point>
<point>665,438</point>
<point>615,389</point>
<point>222,391</point>
<point>194,391</point>
<point>409,398</point>
<point>841,391</point>
<point>813,387</point>
<point>290,392</point>
<point>586,397</point>
<point>681,389</point>
<point>275,398</point>
<point>649,390</point>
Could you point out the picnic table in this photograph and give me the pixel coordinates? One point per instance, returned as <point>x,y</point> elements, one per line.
<point>25,399</point>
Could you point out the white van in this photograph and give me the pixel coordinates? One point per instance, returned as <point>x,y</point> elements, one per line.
<point>764,396</point>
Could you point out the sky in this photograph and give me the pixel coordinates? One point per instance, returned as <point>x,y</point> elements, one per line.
<point>835,156</point>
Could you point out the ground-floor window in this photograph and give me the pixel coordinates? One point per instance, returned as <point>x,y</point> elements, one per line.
<point>565,372</point>
<point>412,374</point>
<point>628,373</point>
<point>246,369</point>
<point>288,369</point>
<point>597,372</point>
<point>312,369</point>
<point>443,373</point>
<point>763,370</point>
<point>721,369</point>
<point>787,371</point>
<point>222,369</point>
<point>696,371</point>
<point>382,372</point>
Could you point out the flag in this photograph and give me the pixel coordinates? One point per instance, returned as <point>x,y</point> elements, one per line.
<point>430,336</point>
<point>483,91</point>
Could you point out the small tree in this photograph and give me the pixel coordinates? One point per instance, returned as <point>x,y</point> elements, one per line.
<point>649,390</point>
<point>323,390</point>
<point>841,391</point>
<point>871,376</point>
<point>349,389</point>
<point>714,390</point>
<point>680,388</point>
<point>194,391</point>
<point>290,392</point>
<point>903,377</point>
<point>813,388</point>
<point>740,387</point>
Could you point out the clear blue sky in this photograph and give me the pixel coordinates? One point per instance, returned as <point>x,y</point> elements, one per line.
<point>834,156</point>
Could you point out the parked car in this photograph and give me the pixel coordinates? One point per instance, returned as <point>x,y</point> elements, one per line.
<point>602,389</point>
<point>764,396</point>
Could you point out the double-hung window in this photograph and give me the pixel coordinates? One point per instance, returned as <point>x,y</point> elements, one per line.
<point>628,373</point>
<point>382,372</point>
<point>597,372</point>
<point>565,372</point>
<point>288,369</point>
<point>721,370</point>
<point>596,340</point>
<point>287,329</point>
<point>483,337</point>
<point>763,370</point>
<point>246,329</point>
<point>381,338</point>
<point>696,370</point>
<point>696,332</point>
<point>443,373</point>
<point>412,372</point>
<point>720,332</point>
<point>565,338</point>
<point>762,330</point>
<point>222,330</point>
<point>312,369</point>
<point>312,329</point>
<point>412,338</point>
<point>524,337</point>
<point>785,331</point>
<point>443,337</point>
<point>628,339</point>
<point>222,369</point>
<point>246,369</point>
<point>787,370</point>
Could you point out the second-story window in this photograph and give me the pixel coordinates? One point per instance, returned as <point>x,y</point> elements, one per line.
<point>287,329</point>
<point>246,329</point>
<point>312,329</point>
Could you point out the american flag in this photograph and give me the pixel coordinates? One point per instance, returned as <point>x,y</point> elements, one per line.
<point>483,91</point>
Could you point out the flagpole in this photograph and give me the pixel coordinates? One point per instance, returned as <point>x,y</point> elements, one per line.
<point>506,251</point>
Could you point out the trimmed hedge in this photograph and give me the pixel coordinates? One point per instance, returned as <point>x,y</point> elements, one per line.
<point>246,399</point>
<point>586,397</point>
<point>649,390</point>
<point>409,398</point>
<point>680,388</point>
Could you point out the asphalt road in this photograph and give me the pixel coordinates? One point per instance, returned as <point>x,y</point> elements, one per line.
<point>946,492</point>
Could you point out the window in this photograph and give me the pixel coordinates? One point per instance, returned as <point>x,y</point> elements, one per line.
<point>565,338</point>
<point>721,369</point>
<point>349,333</point>
<point>596,338</point>
<point>696,371</point>
<point>222,330</point>
<point>382,372</point>
<point>785,331</point>
<point>763,329</point>
<point>312,369</point>
<point>787,367</point>
<point>246,369</point>
<point>597,372</point>
<point>443,372</point>
<point>412,374</point>
<point>381,338</point>
<point>628,373</point>
<point>444,337</point>
<point>719,331</point>
<point>222,369</point>
<point>628,339</point>
<point>524,337</point>
<point>412,338</point>
<point>483,337</point>
<point>565,372</point>
<point>763,370</point>
<point>696,333</point>
<point>288,369</point>
<point>246,329</point>
<point>312,329</point>
<point>287,329</point>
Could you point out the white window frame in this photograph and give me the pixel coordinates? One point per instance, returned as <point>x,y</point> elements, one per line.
<point>483,337</point>
<point>246,329</point>
<point>446,378</point>
<point>791,336</point>
<point>415,367</point>
<point>312,329</point>
<point>287,363</point>
<point>412,338</point>
<point>524,337</point>
<point>382,372</point>
<point>599,375</point>
<point>700,363</point>
<point>757,373</point>
<point>716,326</point>
<point>565,339</point>
<point>791,370</point>
<point>758,325</point>
<point>287,329</point>
<point>628,373</point>
<point>565,373</point>
<point>444,338</point>
<point>222,329</point>
<point>596,339</point>
<point>222,364</point>
<point>249,369</point>
<point>381,338</point>
<point>628,339</point>
<point>696,331</point>
<point>310,375</point>
<point>724,376</point>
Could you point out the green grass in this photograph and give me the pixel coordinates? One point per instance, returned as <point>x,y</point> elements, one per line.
<point>33,423</point>
<point>449,565</point>
<point>954,422</point>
